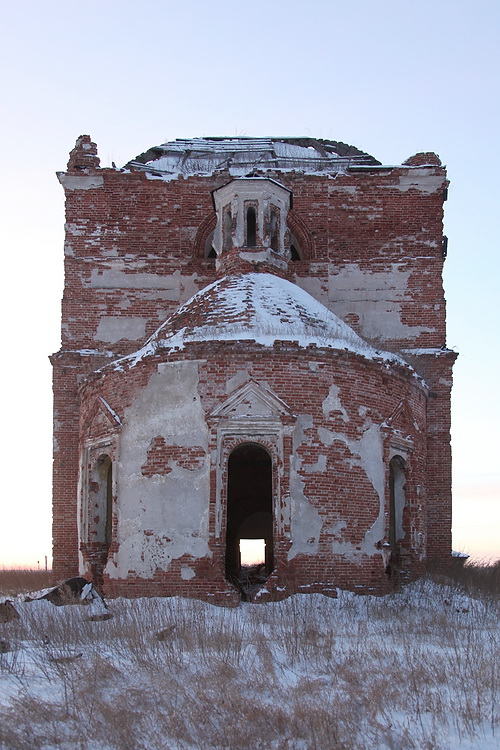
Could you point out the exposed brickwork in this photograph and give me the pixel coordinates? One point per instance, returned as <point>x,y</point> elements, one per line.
<point>161,457</point>
<point>371,250</point>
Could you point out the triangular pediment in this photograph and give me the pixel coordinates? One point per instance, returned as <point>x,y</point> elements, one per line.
<point>253,401</point>
<point>401,421</point>
<point>102,419</point>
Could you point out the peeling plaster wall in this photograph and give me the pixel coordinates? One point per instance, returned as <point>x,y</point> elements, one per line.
<point>371,244</point>
<point>421,180</point>
<point>130,246</point>
<point>366,452</point>
<point>331,487</point>
<point>112,329</point>
<point>164,516</point>
<point>377,299</point>
<point>305,519</point>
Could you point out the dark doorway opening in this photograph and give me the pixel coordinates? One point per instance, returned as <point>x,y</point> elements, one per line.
<point>249,514</point>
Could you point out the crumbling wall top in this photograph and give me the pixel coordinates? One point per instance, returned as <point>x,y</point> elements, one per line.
<point>83,158</point>
<point>423,159</point>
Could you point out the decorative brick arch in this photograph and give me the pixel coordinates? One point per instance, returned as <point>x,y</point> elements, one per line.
<point>204,231</point>
<point>298,228</point>
<point>295,224</point>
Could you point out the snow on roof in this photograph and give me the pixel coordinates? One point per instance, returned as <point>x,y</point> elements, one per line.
<point>256,307</point>
<point>241,156</point>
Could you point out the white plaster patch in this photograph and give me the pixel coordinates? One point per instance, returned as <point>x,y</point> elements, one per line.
<point>376,299</point>
<point>346,550</point>
<point>418,179</point>
<point>162,517</point>
<point>187,573</point>
<point>367,452</point>
<point>76,230</point>
<point>315,287</point>
<point>80,182</point>
<point>332,403</point>
<point>448,382</point>
<point>115,277</point>
<point>188,287</point>
<point>305,520</point>
<point>112,329</point>
<point>317,468</point>
<point>241,377</point>
<point>327,437</point>
<point>65,329</point>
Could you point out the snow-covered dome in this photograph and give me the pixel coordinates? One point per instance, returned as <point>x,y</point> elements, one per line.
<point>258,307</point>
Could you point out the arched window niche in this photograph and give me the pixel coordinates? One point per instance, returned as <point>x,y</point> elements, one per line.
<point>210,252</point>
<point>251,227</point>
<point>101,501</point>
<point>397,481</point>
<point>227,228</point>
<point>296,254</point>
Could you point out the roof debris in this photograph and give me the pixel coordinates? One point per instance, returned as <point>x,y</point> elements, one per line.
<point>243,156</point>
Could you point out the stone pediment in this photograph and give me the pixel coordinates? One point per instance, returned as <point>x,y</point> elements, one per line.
<point>253,401</point>
<point>401,423</point>
<point>102,419</point>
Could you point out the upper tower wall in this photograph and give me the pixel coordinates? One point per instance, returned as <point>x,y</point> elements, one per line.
<point>365,239</point>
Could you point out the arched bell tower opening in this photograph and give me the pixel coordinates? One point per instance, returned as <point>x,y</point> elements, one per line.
<point>249,507</point>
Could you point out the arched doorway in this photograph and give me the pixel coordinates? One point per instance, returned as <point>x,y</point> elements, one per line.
<point>249,505</point>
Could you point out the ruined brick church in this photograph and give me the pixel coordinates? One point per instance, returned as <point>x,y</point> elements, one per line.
<point>253,347</point>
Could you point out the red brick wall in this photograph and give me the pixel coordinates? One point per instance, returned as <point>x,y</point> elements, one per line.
<point>134,251</point>
<point>342,490</point>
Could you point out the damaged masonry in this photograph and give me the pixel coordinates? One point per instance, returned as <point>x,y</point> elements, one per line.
<point>253,347</point>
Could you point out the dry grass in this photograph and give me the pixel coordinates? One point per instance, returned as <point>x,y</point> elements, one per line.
<point>479,577</point>
<point>419,670</point>
<point>13,582</point>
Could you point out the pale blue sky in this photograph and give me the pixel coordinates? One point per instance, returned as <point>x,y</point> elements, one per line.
<point>392,78</point>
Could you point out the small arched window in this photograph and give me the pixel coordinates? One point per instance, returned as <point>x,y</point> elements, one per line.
<point>227,227</point>
<point>397,480</point>
<point>209,247</point>
<point>101,501</point>
<point>295,251</point>
<point>251,227</point>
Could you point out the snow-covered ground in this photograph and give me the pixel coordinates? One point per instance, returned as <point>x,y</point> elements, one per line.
<point>417,669</point>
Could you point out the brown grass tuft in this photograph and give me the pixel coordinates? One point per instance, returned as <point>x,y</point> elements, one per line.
<point>13,582</point>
